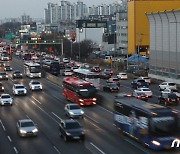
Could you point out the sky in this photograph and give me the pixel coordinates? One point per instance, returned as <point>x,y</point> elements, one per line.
<point>35,8</point>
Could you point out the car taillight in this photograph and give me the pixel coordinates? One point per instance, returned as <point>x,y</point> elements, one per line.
<point>168,99</point>
<point>177,99</point>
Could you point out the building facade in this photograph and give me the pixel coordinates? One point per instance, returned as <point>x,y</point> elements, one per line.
<point>164,45</point>
<point>138,27</point>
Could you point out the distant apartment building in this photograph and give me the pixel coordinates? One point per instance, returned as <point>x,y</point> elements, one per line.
<point>121,32</point>
<point>26,19</point>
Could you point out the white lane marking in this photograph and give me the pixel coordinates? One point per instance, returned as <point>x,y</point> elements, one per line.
<point>44,112</point>
<point>9,138</point>
<point>97,148</point>
<point>2,125</point>
<point>92,123</point>
<point>57,97</point>
<point>53,83</point>
<point>36,100</point>
<point>56,115</point>
<point>15,150</point>
<point>105,109</point>
<point>91,118</point>
<point>56,149</point>
<point>136,146</point>
<point>28,117</point>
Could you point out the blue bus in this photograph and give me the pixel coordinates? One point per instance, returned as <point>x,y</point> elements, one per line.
<point>151,124</point>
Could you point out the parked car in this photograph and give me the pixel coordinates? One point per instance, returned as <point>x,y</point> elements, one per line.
<point>175,91</point>
<point>137,83</point>
<point>122,75</point>
<point>1,87</point>
<point>7,68</point>
<point>6,99</point>
<point>17,74</point>
<point>167,85</point>
<point>111,87</point>
<point>26,127</point>
<point>114,80</point>
<point>146,91</point>
<point>73,110</point>
<point>35,85</point>
<point>168,99</point>
<point>71,130</point>
<point>3,76</point>
<point>19,89</point>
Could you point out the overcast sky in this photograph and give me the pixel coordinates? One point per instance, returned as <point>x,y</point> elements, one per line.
<point>35,8</point>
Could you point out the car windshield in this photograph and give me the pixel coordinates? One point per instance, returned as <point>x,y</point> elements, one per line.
<point>87,91</point>
<point>17,72</point>
<point>72,125</point>
<point>163,125</point>
<point>74,107</point>
<point>113,85</point>
<point>171,84</point>
<point>145,89</point>
<point>173,96</point>
<point>19,87</point>
<point>123,74</point>
<point>115,79</point>
<point>140,81</point>
<point>2,73</point>
<point>27,124</point>
<point>5,96</point>
<point>35,69</point>
<point>35,82</point>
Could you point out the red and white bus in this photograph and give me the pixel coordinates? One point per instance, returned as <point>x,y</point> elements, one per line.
<point>79,91</point>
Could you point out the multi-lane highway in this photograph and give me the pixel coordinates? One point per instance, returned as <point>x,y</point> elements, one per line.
<point>46,109</point>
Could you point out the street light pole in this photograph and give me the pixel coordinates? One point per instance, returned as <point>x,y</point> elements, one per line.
<point>80,31</point>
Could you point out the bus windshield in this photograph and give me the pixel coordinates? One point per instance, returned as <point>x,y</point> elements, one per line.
<point>87,91</point>
<point>35,69</point>
<point>160,126</point>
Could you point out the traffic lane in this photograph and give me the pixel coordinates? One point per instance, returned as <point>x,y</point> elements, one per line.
<point>49,124</point>
<point>39,144</point>
<point>6,146</point>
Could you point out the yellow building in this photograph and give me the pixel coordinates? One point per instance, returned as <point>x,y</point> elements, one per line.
<point>138,26</point>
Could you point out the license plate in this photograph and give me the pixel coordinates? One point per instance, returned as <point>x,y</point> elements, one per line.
<point>76,137</point>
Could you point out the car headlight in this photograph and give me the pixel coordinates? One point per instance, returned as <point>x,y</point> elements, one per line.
<point>0,76</point>
<point>6,76</point>
<point>2,88</point>
<point>23,131</point>
<point>21,74</point>
<point>82,112</point>
<point>68,133</point>
<point>35,130</point>
<point>71,113</point>
<point>25,91</point>
<point>14,74</point>
<point>81,100</point>
<point>94,99</point>
<point>156,143</point>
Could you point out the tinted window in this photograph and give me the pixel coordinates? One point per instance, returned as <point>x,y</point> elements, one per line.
<point>35,82</point>
<point>173,96</point>
<point>19,87</point>
<point>72,125</point>
<point>5,96</point>
<point>87,91</point>
<point>74,107</point>
<point>172,84</point>
<point>27,124</point>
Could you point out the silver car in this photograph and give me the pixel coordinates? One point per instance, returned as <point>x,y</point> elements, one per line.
<point>26,127</point>
<point>73,111</point>
<point>6,99</point>
<point>35,85</point>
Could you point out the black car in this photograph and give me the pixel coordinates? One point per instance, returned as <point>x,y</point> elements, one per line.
<point>17,74</point>
<point>111,87</point>
<point>7,68</point>
<point>71,130</point>
<point>3,76</point>
<point>168,99</point>
<point>114,80</point>
<point>1,87</point>
<point>137,83</point>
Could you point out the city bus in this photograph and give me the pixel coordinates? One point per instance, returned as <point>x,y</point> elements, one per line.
<point>79,91</point>
<point>51,66</point>
<point>151,124</point>
<point>87,75</point>
<point>32,70</point>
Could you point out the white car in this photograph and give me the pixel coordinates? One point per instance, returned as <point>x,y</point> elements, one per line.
<point>65,60</point>
<point>122,75</point>
<point>146,91</point>
<point>175,91</point>
<point>26,127</point>
<point>19,89</point>
<point>167,85</point>
<point>35,85</point>
<point>146,78</point>
<point>18,53</point>
<point>6,99</point>
<point>67,72</point>
<point>73,110</point>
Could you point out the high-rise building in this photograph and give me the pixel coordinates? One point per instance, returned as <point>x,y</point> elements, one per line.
<point>25,18</point>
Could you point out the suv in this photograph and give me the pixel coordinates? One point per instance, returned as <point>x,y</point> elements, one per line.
<point>19,89</point>
<point>71,129</point>
<point>137,83</point>
<point>169,98</point>
<point>167,85</point>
